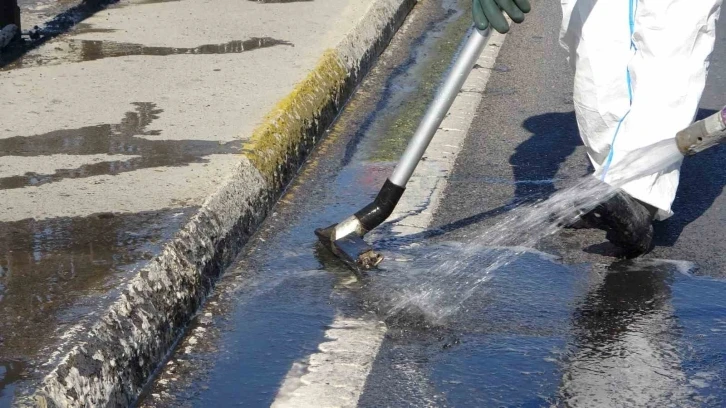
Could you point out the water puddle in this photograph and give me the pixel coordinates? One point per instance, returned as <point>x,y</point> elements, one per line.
<point>132,136</point>
<point>11,371</point>
<point>499,323</point>
<point>73,51</point>
<point>55,273</point>
<point>541,333</point>
<point>85,28</point>
<point>628,334</point>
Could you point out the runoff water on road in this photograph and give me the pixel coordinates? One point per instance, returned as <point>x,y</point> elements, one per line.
<point>438,282</point>
<point>515,327</point>
<point>491,321</point>
<point>482,321</point>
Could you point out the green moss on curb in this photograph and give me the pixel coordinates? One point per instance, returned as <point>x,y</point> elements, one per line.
<point>286,126</point>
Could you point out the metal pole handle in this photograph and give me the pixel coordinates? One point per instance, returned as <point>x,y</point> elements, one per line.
<point>439,107</point>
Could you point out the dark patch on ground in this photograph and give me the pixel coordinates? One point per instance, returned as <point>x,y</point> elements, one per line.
<point>90,50</point>
<point>84,28</point>
<point>57,272</point>
<point>11,371</point>
<point>128,137</point>
<point>554,138</point>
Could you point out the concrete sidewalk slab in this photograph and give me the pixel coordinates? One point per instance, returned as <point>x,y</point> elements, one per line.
<point>138,153</point>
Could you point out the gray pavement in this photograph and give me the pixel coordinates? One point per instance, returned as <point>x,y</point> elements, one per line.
<point>89,82</point>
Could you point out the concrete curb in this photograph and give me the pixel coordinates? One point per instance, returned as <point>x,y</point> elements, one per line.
<point>111,361</point>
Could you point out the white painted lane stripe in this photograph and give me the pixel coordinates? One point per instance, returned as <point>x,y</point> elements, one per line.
<point>335,375</point>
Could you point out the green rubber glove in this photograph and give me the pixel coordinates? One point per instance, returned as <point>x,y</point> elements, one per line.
<point>492,12</point>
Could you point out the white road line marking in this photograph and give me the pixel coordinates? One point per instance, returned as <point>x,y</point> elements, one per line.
<point>335,375</point>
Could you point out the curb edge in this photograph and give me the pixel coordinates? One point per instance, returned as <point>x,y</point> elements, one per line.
<point>112,362</point>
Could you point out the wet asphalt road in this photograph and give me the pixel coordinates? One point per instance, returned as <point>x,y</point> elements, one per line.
<point>588,330</point>
<point>579,328</point>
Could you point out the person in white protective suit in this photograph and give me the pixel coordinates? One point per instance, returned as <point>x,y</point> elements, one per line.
<point>640,68</point>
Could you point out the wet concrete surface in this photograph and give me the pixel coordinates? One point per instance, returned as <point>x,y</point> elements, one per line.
<point>132,139</point>
<point>37,12</point>
<point>10,373</point>
<point>44,20</point>
<point>544,333</point>
<point>572,326</point>
<point>57,273</point>
<point>72,50</point>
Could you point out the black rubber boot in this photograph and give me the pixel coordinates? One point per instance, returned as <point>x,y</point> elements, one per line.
<point>627,221</point>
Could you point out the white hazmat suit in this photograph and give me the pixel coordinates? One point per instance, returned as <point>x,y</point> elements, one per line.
<point>640,68</point>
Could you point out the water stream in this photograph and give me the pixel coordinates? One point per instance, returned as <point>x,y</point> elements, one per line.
<point>444,276</point>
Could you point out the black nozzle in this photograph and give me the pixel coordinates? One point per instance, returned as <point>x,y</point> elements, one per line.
<point>346,240</point>
<point>382,207</point>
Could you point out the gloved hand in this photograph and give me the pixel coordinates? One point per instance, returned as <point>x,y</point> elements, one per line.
<point>491,11</point>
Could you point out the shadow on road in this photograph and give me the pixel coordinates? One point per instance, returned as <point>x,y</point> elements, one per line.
<point>555,136</point>
<point>535,161</point>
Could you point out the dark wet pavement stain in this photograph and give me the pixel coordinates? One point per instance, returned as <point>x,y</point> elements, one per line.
<point>56,273</point>
<point>85,28</point>
<point>62,22</point>
<point>131,136</point>
<point>543,333</point>
<point>72,51</point>
<point>11,371</point>
<point>60,17</point>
